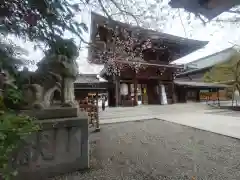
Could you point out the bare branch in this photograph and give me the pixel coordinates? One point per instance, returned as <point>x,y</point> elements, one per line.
<point>182,22</point>
<point>104,10</point>
<point>203,21</point>
<point>124,11</point>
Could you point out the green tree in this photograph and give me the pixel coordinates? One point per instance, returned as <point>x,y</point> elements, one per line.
<point>9,56</point>
<point>40,20</point>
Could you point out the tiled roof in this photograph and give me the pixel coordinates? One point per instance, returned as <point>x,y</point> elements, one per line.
<point>193,71</point>
<point>213,59</point>
<point>178,46</point>
<point>199,84</point>
<point>152,34</point>
<point>87,78</point>
<point>207,62</point>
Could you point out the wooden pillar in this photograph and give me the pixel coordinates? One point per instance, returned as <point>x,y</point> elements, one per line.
<point>218,97</point>
<point>159,92</point>
<point>117,91</point>
<point>97,115</point>
<point>174,96</point>
<point>185,90</point>
<point>135,91</point>
<point>129,90</point>
<point>174,99</point>
<point>197,95</point>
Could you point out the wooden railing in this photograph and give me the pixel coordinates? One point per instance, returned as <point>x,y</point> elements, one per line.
<point>213,96</point>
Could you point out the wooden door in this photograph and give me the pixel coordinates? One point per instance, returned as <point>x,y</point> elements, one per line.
<point>111,96</point>
<point>153,96</point>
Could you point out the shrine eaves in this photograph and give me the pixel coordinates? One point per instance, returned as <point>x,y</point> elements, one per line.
<point>207,8</point>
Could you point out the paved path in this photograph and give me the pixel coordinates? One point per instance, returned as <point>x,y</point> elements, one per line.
<point>195,115</point>
<point>154,149</point>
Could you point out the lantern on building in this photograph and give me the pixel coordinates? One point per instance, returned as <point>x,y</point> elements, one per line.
<point>124,89</point>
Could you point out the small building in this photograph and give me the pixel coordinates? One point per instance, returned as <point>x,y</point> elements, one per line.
<point>190,84</point>
<point>210,60</point>
<point>152,81</point>
<point>88,85</point>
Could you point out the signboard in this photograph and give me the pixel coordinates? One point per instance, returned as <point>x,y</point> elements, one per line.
<point>91,94</point>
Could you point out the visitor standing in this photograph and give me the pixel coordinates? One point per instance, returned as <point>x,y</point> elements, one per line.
<point>103,103</point>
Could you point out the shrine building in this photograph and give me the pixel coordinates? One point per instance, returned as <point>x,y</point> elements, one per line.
<point>88,85</point>
<point>147,76</point>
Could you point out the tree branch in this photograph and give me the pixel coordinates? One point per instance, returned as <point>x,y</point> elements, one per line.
<point>124,11</point>
<point>182,22</point>
<point>104,9</point>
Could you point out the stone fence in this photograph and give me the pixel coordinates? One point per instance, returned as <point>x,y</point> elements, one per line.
<point>60,147</point>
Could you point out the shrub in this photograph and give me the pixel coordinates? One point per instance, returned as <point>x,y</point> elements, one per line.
<point>2,105</point>
<point>12,97</point>
<point>13,129</point>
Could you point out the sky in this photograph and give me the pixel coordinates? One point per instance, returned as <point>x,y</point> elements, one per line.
<point>219,35</point>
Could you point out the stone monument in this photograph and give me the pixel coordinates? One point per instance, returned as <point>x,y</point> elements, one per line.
<point>62,144</point>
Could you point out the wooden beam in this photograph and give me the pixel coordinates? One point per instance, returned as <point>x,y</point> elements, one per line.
<point>150,64</point>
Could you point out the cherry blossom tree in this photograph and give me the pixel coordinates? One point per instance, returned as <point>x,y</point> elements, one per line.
<point>39,20</point>
<point>44,21</point>
<point>121,50</point>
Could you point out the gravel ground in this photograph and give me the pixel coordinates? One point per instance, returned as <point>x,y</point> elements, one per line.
<point>159,150</point>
